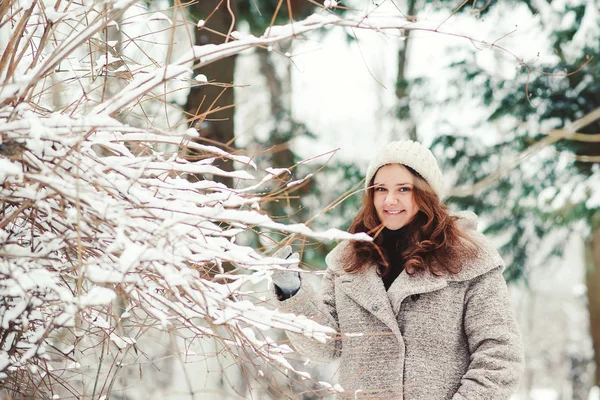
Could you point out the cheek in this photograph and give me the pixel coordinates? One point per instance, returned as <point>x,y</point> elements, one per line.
<point>413,205</point>
<point>377,202</point>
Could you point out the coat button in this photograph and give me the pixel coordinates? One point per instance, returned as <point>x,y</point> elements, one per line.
<point>375,307</point>
<point>415,297</point>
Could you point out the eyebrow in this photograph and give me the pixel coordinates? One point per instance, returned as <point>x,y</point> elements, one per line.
<point>397,184</point>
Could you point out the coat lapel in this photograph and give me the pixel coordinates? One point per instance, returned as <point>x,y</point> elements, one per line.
<point>366,288</point>
<point>407,285</point>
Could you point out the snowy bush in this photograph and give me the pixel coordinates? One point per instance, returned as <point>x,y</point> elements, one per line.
<point>107,231</point>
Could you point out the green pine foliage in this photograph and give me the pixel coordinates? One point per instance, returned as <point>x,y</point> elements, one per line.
<point>259,13</point>
<point>534,206</point>
<point>508,208</point>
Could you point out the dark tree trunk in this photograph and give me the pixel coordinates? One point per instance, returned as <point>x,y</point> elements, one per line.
<point>281,156</point>
<point>215,127</point>
<point>592,261</point>
<point>402,89</point>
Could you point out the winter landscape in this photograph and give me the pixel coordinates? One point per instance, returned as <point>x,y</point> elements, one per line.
<point>155,154</point>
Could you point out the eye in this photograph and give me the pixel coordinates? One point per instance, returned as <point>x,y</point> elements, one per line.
<point>380,189</point>
<point>404,189</point>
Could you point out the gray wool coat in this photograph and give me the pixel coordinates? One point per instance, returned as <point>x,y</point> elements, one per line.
<point>426,338</point>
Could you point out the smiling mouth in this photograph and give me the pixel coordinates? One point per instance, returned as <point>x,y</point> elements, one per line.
<point>390,212</point>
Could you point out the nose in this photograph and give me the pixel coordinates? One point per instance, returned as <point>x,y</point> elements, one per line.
<point>391,199</point>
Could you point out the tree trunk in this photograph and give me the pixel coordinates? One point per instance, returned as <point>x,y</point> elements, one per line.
<point>215,127</point>
<point>274,83</point>
<point>281,156</point>
<point>402,88</point>
<point>592,261</point>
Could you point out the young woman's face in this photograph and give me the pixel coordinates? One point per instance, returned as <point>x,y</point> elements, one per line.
<point>393,188</point>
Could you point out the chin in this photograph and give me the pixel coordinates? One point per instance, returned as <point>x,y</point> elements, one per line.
<point>394,227</point>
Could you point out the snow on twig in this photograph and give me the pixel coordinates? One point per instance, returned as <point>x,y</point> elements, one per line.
<point>107,229</point>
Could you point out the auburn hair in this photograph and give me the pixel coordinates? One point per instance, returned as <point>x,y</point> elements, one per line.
<point>436,243</point>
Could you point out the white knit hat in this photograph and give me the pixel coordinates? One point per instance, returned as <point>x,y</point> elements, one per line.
<point>413,155</point>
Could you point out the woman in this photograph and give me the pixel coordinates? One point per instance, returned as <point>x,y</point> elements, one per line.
<point>422,311</point>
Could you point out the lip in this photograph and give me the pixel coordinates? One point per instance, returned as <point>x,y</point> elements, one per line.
<point>393,212</point>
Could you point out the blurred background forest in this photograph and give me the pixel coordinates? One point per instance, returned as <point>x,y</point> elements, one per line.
<point>506,93</point>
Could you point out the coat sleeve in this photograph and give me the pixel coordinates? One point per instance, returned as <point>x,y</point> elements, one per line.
<point>496,361</point>
<point>320,308</point>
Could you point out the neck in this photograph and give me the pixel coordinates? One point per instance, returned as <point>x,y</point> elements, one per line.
<point>394,233</point>
<point>388,233</point>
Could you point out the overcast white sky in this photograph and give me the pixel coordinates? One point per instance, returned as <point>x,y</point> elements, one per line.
<point>345,91</point>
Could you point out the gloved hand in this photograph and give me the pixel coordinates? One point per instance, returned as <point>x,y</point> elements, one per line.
<point>287,283</point>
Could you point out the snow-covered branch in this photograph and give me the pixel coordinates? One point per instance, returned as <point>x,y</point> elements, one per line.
<point>107,230</point>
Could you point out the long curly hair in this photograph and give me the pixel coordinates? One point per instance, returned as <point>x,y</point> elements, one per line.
<point>436,243</point>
